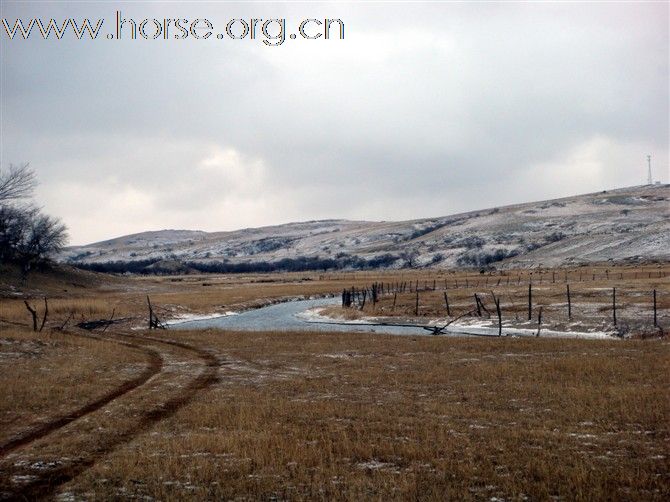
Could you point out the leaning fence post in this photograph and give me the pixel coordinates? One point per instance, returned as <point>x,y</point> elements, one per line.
<point>446,301</point>
<point>614,305</point>
<point>46,313</point>
<point>479,309</point>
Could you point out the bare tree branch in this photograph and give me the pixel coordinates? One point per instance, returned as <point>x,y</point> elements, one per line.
<point>17,182</point>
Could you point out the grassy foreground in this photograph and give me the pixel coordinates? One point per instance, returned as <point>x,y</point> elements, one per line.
<point>323,416</point>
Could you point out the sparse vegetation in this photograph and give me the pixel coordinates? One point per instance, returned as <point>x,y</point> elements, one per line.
<point>485,258</point>
<point>341,261</point>
<point>426,228</point>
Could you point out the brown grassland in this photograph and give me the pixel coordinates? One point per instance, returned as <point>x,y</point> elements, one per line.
<point>277,415</point>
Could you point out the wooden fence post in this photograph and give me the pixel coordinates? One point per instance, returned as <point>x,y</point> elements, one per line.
<point>655,318</point>
<point>539,322</point>
<point>446,301</point>
<point>151,314</point>
<point>497,301</point>
<point>530,301</point>
<point>569,303</point>
<point>614,305</point>
<point>416,305</point>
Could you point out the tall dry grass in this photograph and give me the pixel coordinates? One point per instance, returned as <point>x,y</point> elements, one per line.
<point>46,375</point>
<point>351,417</point>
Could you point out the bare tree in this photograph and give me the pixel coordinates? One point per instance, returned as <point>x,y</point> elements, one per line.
<point>17,182</point>
<point>410,256</point>
<point>44,236</point>
<point>27,236</point>
<point>14,222</point>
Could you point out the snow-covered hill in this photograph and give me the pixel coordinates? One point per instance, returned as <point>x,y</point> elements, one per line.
<point>630,224</point>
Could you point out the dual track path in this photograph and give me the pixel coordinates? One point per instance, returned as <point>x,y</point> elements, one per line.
<point>35,463</point>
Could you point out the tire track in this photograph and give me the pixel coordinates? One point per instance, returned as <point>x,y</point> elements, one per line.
<point>46,483</point>
<point>44,429</point>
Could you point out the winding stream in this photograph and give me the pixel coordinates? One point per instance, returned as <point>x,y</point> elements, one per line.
<point>286,317</point>
<point>292,316</point>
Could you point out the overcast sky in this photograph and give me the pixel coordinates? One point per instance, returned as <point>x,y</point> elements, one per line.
<point>422,110</point>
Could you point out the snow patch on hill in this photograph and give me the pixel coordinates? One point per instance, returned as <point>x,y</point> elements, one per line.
<point>630,224</point>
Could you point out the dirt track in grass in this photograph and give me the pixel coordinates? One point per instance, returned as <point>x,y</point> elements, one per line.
<point>40,479</point>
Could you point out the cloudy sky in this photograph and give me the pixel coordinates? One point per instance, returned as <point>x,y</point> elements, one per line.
<point>422,110</point>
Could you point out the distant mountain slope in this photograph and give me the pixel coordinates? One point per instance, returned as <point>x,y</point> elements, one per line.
<point>629,224</point>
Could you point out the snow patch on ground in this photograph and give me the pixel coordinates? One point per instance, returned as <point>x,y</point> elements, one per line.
<point>198,317</point>
<point>478,327</point>
<point>316,314</point>
<point>374,465</point>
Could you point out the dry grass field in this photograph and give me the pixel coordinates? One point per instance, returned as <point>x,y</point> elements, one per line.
<point>50,375</point>
<point>171,415</point>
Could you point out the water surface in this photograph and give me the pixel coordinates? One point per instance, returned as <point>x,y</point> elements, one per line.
<point>286,317</point>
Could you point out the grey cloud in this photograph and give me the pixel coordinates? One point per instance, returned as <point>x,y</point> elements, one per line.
<point>422,110</point>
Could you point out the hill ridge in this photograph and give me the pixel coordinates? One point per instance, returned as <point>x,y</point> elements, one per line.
<point>623,224</point>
